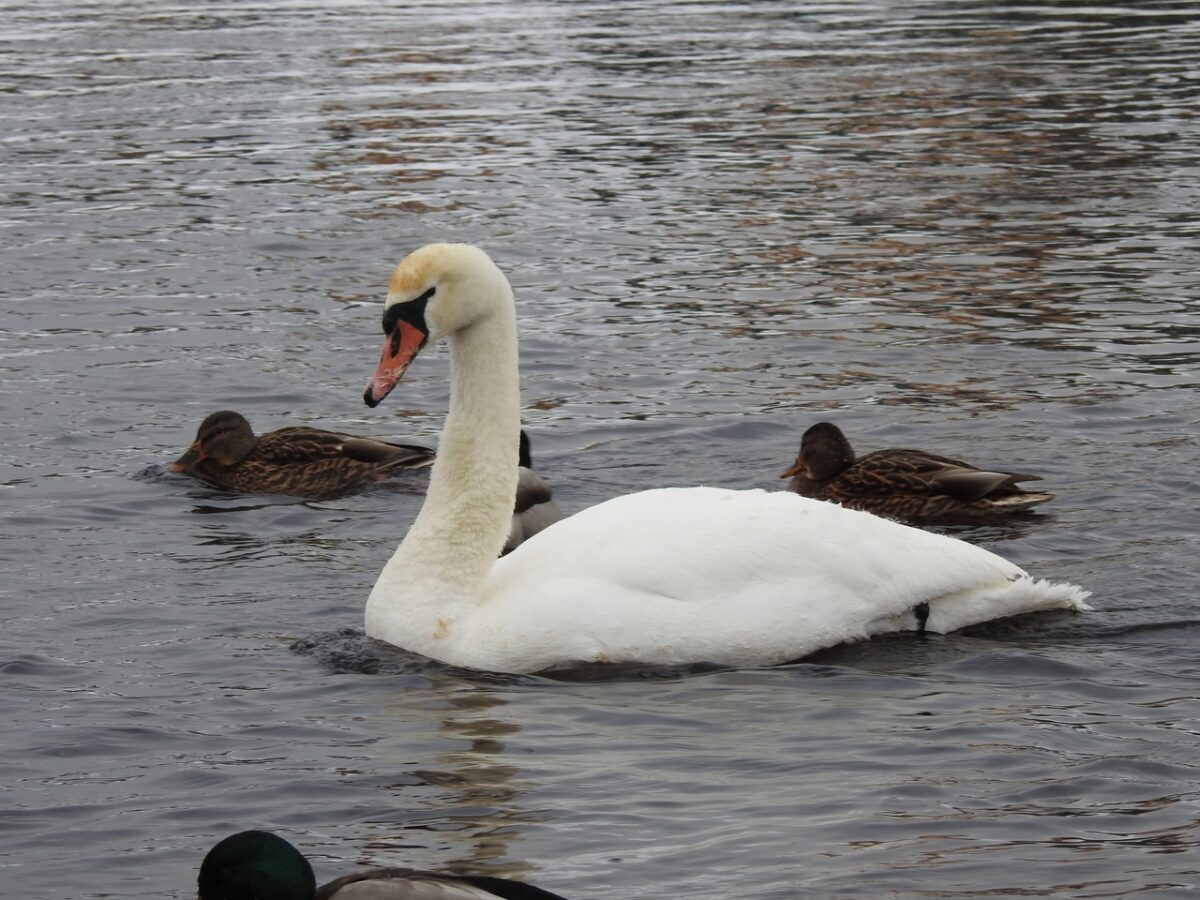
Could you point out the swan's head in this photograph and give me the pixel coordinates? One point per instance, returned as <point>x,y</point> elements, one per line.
<point>434,292</point>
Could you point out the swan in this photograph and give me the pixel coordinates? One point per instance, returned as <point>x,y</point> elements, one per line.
<point>664,576</point>
<point>260,865</point>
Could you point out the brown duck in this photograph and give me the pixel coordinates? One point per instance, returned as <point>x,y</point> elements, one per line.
<point>910,485</point>
<point>306,462</point>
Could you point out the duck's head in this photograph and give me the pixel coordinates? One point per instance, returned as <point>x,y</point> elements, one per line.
<point>256,865</point>
<point>824,452</point>
<point>225,437</point>
<point>434,292</point>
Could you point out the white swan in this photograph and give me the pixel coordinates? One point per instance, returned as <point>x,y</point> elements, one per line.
<point>669,576</point>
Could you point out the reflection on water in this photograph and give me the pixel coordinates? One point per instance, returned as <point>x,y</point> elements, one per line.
<point>479,786</point>
<point>969,227</point>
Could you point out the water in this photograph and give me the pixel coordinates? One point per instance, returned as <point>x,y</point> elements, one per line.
<point>968,227</point>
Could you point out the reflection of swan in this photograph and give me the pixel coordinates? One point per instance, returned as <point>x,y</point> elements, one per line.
<point>911,485</point>
<point>259,865</point>
<point>662,576</point>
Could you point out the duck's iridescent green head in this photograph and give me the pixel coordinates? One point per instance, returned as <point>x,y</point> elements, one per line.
<point>256,865</point>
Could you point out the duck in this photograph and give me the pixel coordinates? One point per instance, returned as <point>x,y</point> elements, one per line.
<point>672,575</point>
<point>261,865</point>
<point>305,462</point>
<point>913,486</point>
<point>534,507</point>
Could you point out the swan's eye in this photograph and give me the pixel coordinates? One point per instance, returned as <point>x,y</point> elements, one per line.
<point>410,311</point>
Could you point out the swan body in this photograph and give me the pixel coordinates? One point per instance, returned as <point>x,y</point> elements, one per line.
<point>910,485</point>
<point>259,865</point>
<point>676,575</point>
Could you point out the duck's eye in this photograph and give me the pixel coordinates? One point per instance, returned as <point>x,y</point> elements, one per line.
<point>410,311</point>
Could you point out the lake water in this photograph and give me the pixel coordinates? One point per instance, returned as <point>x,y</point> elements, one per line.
<point>968,227</point>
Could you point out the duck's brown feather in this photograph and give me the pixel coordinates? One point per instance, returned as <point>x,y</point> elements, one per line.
<point>305,462</point>
<point>910,485</point>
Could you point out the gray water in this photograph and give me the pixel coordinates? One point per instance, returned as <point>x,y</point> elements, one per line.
<point>968,227</point>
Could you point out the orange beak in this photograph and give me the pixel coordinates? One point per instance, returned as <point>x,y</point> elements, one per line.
<point>189,460</point>
<point>400,348</point>
<point>794,470</point>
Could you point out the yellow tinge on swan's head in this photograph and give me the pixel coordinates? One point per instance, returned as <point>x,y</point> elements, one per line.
<point>465,283</point>
<point>433,292</point>
<point>416,272</point>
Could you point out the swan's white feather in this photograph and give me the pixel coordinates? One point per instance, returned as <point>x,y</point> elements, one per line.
<point>681,575</point>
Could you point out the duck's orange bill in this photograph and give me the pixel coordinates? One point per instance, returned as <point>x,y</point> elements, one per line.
<point>794,470</point>
<point>189,460</point>
<point>400,347</point>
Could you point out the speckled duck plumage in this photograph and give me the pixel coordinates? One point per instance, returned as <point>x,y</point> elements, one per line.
<point>306,462</point>
<point>909,485</point>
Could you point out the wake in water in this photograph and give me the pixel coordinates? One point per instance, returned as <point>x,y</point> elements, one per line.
<point>350,651</point>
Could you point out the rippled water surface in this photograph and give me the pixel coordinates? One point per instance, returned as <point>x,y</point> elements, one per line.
<point>970,227</point>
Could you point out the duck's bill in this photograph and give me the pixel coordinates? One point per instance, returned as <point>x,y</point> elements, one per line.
<point>187,462</point>
<point>400,348</point>
<point>794,470</point>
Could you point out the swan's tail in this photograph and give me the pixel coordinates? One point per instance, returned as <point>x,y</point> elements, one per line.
<point>961,609</point>
<point>1010,598</point>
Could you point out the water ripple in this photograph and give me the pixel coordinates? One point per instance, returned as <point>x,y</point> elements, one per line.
<point>968,227</point>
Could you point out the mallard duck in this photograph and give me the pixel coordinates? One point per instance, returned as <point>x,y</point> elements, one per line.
<point>534,508</point>
<point>260,865</point>
<point>662,577</point>
<point>306,462</point>
<point>910,485</point>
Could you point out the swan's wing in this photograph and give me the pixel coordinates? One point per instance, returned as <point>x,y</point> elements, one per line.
<point>684,575</point>
<point>700,542</point>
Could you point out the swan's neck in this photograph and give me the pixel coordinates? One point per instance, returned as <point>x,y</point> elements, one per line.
<point>439,572</point>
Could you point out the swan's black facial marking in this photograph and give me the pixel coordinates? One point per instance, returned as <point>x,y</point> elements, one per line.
<point>411,311</point>
<point>405,332</point>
